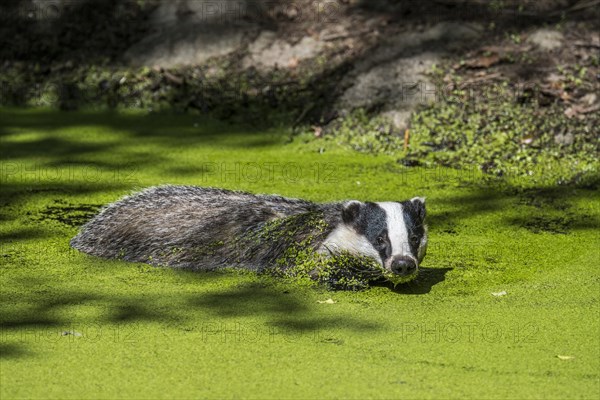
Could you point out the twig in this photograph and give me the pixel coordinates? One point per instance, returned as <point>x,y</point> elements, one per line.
<point>590,109</point>
<point>576,7</point>
<point>172,78</point>
<point>481,78</point>
<point>344,35</point>
<point>583,44</point>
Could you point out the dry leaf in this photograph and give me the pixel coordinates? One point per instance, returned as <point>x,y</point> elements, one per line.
<point>499,294</point>
<point>483,62</point>
<point>317,130</point>
<point>576,110</point>
<point>572,111</point>
<point>565,96</point>
<point>565,357</point>
<point>590,109</point>
<point>293,62</point>
<point>589,99</point>
<point>328,301</point>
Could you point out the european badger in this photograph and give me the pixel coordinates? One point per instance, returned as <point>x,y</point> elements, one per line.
<point>207,228</point>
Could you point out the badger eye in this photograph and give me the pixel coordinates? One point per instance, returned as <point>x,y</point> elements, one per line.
<point>381,240</point>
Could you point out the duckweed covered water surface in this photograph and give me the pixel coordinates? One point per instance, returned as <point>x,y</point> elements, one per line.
<point>133,330</point>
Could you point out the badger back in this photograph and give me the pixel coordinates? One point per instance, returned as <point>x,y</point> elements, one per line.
<point>192,227</point>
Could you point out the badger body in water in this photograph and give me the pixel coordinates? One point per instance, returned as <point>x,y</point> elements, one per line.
<point>207,228</point>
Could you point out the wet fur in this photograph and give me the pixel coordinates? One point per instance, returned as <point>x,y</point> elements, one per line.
<point>202,228</point>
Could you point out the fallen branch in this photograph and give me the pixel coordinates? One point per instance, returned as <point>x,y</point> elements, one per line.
<point>172,78</point>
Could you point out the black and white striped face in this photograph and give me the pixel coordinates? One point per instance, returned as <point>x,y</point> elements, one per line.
<point>393,233</point>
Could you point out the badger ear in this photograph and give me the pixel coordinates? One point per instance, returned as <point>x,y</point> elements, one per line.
<point>351,211</point>
<point>419,205</point>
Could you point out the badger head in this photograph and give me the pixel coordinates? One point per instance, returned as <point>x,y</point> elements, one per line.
<point>392,233</point>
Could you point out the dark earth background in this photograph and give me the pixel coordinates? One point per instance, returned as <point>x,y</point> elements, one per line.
<point>313,65</point>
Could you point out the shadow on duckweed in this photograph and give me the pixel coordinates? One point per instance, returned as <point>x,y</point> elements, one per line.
<point>76,164</point>
<point>286,308</point>
<point>44,314</point>
<point>8,351</point>
<point>537,209</point>
<point>422,284</point>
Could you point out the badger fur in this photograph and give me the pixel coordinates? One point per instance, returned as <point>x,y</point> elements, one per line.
<point>208,228</point>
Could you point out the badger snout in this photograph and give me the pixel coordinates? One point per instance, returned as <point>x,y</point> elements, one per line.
<point>403,266</point>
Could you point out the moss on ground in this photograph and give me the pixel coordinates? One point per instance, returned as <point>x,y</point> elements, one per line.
<point>506,138</point>
<point>501,139</point>
<point>506,304</point>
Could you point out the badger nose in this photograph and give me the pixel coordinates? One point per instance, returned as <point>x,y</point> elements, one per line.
<point>404,266</point>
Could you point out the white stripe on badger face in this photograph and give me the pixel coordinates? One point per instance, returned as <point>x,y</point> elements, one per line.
<point>345,238</point>
<point>397,231</point>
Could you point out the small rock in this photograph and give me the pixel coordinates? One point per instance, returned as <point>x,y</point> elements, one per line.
<point>269,51</point>
<point>546,39</point>
<point>565,139</point>
<point>553,78</point>
<point>396,74</point>
<point>527,139</point>
<point>399,118</point>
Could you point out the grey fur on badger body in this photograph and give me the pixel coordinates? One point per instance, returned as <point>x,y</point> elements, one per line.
<point>208,228</point>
